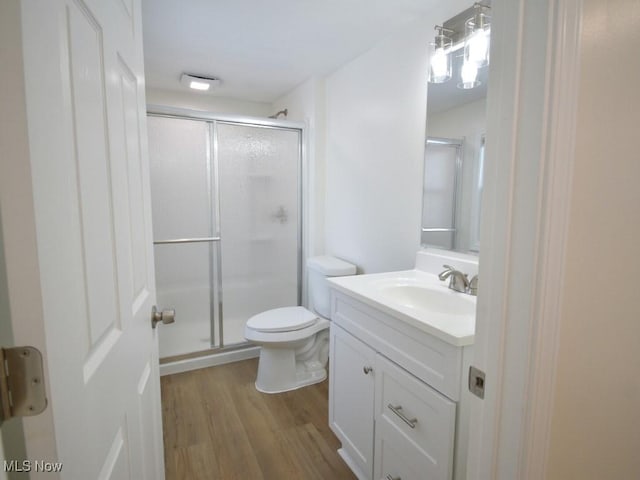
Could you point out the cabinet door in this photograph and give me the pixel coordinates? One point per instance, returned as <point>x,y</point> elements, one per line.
<point>351,400</point>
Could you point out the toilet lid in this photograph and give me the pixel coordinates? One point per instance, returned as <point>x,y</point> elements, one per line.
<point>284,319</point>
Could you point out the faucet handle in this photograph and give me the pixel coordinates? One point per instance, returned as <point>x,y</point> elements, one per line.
<point>473,285</point>
<point>448,269</point>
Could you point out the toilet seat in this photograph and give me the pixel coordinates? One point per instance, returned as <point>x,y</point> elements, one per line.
<point>285,319</point>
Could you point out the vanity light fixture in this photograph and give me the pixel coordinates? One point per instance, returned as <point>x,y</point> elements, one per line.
<point>440,63</point>
<point>477,36</point>
<point>199,82</point>
<point>470,30</point>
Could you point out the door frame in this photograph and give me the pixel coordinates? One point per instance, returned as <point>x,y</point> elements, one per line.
<point>532,105</point>
<point>18,221</point>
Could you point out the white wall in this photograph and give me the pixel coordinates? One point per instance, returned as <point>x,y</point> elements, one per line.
<point>376,108</point>
<point>596,419</point>
<point>468,122</point>
<point>208,103</point>
<point>306,103</point>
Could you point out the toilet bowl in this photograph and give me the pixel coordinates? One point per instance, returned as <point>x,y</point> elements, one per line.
<point>291,356</point>
<point>294,341</point>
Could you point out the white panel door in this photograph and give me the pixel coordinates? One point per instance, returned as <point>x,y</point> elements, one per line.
<point>85,116</point>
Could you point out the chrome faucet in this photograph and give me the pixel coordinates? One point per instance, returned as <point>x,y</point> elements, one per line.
<point>458,281</point>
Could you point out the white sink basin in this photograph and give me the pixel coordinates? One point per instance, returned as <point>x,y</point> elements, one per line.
<point>428,299</point>
<point>418,298</point>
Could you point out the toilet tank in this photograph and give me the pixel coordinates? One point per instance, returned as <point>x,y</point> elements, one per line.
<point>319,269</point>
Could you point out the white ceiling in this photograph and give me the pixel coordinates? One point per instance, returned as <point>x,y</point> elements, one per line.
<point>263,49</point>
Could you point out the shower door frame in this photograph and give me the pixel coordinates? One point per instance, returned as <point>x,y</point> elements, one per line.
<point>458,145</point>
<point>212,120</point>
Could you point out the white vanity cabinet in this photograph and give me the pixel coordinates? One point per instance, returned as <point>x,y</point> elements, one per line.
<point>394,396</point>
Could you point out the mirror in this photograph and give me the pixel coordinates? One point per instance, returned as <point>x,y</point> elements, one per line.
<point>453,161</point>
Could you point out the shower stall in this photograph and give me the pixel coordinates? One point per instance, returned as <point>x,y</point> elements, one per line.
<point>227,224</point>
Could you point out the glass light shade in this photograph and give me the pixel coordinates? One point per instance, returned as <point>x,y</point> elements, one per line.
<point>440,60</point>
<point>468,76</point>
<point>477,39</point>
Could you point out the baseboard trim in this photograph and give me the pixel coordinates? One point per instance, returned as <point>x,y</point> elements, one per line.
<point>208,361</point>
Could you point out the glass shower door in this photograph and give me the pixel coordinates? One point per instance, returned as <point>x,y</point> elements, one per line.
<point>259,202</point>
<point>182,196</point>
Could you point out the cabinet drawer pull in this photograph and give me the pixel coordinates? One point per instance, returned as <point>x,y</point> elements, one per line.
<point>389,477</point>
<point>398,411</point>
<point>367,370</point>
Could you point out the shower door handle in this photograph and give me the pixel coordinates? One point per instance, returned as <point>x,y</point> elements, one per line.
<point>165,316</point>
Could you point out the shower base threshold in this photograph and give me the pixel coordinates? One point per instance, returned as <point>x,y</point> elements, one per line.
<point>208,358</point>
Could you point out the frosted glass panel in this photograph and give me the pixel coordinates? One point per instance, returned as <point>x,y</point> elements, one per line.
<point>258,177</point>
<point>439,194</point>
<point>183,282</point>
<point>180,178</point>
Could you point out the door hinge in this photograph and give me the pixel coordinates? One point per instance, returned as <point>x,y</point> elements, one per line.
<point>476,381</point>
<point>22,391</point>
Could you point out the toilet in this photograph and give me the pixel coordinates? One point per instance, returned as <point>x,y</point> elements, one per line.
<point>294,340</point>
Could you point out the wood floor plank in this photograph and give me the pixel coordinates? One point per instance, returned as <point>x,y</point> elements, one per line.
<point>227,436</point>
<point>218,426</point>
<point>183,411</point>
<point>318,461</point>
<point>194,462</point>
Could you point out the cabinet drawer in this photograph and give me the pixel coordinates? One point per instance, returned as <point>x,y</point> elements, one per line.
<point>413,417</point>
<point>398,458</point>
<point>428,358</point>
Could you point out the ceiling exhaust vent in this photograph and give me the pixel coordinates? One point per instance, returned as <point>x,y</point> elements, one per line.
<point>199,82</point>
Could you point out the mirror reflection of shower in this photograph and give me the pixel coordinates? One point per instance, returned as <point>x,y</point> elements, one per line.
<point>226,225</point>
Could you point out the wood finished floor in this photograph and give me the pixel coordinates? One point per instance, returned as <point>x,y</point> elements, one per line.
<point>218,426</point>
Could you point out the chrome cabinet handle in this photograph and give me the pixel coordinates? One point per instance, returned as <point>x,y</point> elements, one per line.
<point>389,477</point>
<point>367,370</point>
<point>398,411</point>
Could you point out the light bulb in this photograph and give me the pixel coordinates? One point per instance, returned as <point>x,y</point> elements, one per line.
<point>439,64</point>
<point>477,39</point>
<point>478,48</point>
<point>468,75</point>
<point>440,61</point>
